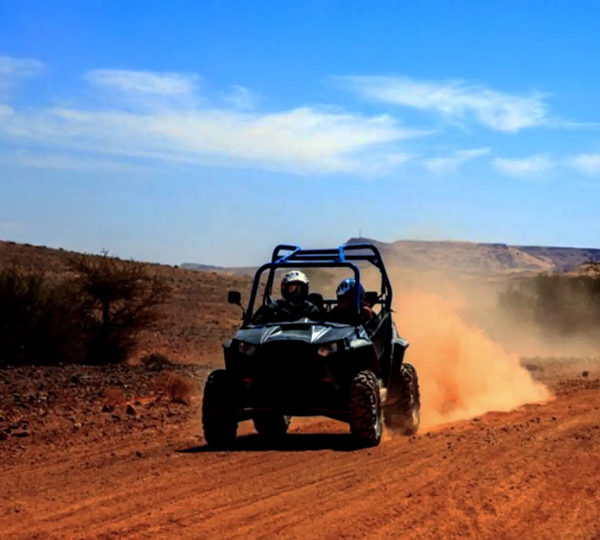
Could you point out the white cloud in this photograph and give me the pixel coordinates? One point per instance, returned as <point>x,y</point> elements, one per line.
<point>240,98</point>
<point>455,99</point>
<point>37,160</point>
<point>299,140</point>
<point>451,163</point>
<point>145,82</point>
<point>586,163</point>
<point>532,165</point>
<point>13,70</point>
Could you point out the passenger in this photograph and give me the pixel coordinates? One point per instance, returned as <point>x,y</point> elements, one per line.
<point>345,310</point>
<point>293,305</point>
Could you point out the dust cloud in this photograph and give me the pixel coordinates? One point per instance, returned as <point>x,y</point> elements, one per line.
<point>463,372</point>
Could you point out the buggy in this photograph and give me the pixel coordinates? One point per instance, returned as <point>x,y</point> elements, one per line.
<point>354,373</point>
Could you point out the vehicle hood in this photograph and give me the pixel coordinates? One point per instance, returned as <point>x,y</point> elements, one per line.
<point>307,332</point>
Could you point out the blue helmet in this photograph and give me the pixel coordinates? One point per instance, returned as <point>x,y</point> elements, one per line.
<point>348,287</point>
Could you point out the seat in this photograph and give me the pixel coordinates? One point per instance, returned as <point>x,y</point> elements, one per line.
<point>317,300</point>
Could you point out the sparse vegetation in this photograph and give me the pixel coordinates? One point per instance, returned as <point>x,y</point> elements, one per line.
<point>112,397</point>
<point>94,316</point>
<point>179,388</point>
<point>40,322</point>
<point>560,304</point>
<point>120,298</point>
<point>156,361</point>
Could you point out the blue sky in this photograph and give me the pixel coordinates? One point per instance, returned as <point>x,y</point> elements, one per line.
<point>210,131</point>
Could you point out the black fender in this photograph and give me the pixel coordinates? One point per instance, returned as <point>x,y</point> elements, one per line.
<point>394,386</point>
<point>362,355</point>
<point>228,354</point>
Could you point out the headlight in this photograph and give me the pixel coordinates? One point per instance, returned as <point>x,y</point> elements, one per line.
<point>246,348</point>
<point>326,350</point>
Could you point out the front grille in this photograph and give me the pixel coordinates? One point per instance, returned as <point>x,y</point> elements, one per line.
<point>290,362</point>
<point>288,373</point>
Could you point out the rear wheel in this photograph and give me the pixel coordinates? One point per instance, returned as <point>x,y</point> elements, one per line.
<point>272,425</point>
<point>218,410</point>
<point>405,414</point>
<point>365,409</point>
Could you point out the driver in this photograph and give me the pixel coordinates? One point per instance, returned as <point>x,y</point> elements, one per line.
<point>345,310</point>
<point>293,305</point>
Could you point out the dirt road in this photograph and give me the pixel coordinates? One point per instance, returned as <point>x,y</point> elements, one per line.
<point>530,473</point>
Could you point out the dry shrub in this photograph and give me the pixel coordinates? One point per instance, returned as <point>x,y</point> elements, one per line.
<point>156,362</point>
<point>559,305</point>
<point>93,314</point>
<point>121,298</point>
<point>41,321</point>
<point>113,397</point>
<point>179,388</point>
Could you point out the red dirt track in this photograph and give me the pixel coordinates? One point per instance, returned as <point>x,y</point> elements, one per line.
<point>529,473</point>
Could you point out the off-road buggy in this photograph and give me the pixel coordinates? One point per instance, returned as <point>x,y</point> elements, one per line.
<point>353,373</point>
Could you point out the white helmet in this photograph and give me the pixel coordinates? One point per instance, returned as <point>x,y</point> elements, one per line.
<point>294,295</point>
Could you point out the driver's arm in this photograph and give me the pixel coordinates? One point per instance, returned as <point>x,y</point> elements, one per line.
<point>313,312</point>
<point>263,314</point>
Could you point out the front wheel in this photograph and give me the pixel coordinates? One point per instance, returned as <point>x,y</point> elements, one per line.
<point>405,414</point>
<point>365,409</point>
<point>218,410</point>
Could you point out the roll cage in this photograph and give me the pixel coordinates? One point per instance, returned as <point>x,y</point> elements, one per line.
<point>344,256</point>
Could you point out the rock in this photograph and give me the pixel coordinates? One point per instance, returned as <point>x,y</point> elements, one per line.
<point>108,408</point>
<point>77,425</point>
<point>585,374</point>
<point>130,410</point>
<point>21,434</point>
<point>116,417</point>
<point>74,379</point>
<point>3,436</point>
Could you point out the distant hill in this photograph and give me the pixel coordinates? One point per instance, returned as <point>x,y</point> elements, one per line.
<point>236,270</point>
<point>474,257</point>
<point>196,320</point>
<point>462,257</point>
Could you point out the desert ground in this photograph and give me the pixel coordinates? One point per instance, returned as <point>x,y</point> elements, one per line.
<point>140,468</point>
<point>117,451</point>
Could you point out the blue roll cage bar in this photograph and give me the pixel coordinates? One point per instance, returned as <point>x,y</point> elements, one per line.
<point>341,257</point>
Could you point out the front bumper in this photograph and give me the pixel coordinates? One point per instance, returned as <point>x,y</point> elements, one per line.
<point>293,380</point>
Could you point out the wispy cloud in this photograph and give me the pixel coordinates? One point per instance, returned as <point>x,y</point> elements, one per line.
<point>61,161</point>
<point>158,116</point>
<point>300,140</point>
<point>145,82</point>
<point>455,100</point>
<point>450,164</point>
<point>529,166</point>
<point>240,98</point>
<point>13,70</point>
<point>162,116</point>
<point>586,163</point>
